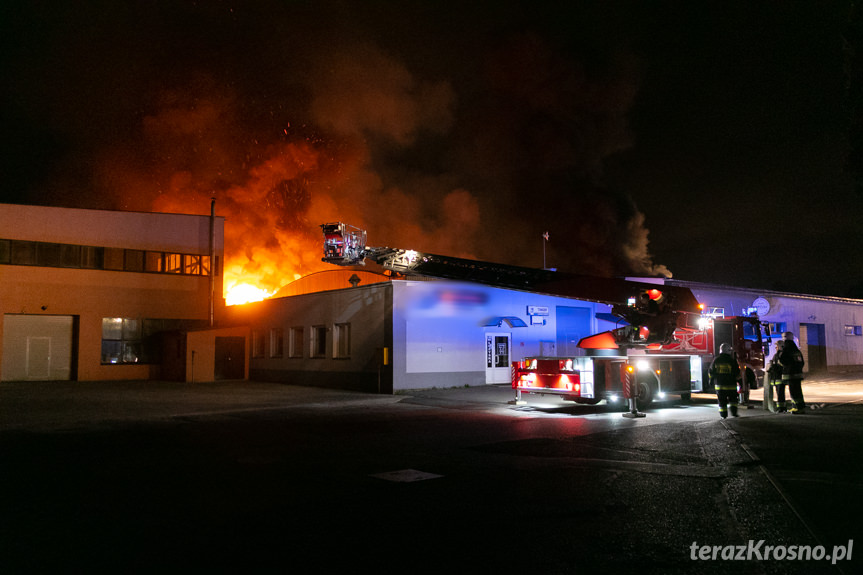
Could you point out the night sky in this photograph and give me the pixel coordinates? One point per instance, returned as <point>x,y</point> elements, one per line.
<point>716,142</point>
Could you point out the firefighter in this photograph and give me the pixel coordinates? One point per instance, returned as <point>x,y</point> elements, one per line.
<point>774,372</point>
<point>792,362</point>
<point>724,373</point>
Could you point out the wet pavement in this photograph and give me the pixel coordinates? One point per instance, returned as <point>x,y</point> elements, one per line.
<point>153,476</point>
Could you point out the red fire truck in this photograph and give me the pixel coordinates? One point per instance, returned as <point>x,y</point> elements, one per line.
<point>622,358</point>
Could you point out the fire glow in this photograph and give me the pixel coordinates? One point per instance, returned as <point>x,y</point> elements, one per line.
<point>242,293</point>
<point>267,242</point>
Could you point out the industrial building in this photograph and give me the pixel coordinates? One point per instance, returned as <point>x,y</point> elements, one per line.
<point>96,295</point>
<point>375,333</point>
<point>108,295</point>
<point>829,330</point>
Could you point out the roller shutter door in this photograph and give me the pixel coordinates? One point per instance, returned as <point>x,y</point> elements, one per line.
<point>37,347</point>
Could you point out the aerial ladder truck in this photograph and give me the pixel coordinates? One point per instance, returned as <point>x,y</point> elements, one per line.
<point>663,346</point>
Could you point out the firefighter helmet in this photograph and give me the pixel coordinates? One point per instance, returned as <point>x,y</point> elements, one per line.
<point>725,348</point>
<point>788,336</point>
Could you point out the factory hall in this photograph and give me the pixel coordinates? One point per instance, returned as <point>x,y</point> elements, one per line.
<point>99,295</point>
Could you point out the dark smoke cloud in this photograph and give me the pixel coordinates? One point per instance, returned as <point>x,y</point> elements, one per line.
<point>466,136</point>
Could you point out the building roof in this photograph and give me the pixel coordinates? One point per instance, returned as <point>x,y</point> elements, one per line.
<point>341,278</point>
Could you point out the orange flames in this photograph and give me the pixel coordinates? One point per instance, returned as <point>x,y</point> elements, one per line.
<point>274,187</point>
<point>269,241</point>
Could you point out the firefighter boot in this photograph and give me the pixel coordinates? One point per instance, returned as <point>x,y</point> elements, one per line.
<point>780,407</point>
<point>733,408</point>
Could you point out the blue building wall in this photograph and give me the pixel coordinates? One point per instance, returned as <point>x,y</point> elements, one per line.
<point>442,331</point>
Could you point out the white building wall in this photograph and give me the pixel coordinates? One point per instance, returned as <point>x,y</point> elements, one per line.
<point>842,352</point>
<point>111,229</point>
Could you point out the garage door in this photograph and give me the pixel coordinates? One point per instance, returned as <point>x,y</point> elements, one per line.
<point>37,347</point>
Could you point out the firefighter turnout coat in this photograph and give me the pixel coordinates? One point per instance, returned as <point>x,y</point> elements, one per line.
<point>724,372</point>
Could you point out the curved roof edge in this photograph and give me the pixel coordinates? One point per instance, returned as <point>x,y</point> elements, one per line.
<point>329,280</point>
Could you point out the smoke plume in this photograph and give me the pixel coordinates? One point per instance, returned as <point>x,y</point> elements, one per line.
<point>470,142</point>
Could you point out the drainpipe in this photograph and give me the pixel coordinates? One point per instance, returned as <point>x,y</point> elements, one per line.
<point>212,260</point>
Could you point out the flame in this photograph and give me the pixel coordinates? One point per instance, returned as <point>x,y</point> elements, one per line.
<point>244,293</point>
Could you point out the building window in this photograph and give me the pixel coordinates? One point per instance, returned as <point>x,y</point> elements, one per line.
<point>121,341</point>
<point>319,341</point>
<point>154,262</point>
<point>777,328</point>
<point>197,265</point>
<point>853,330</point>
<point>174,263</point>
<point>342,340</point>
<point>296,342</point>
<point>23,253</point>
<point>92,258</point>
<point>258,342</point>
<point>45,254</point>
<point>133,260</point>
<point>277,342</point>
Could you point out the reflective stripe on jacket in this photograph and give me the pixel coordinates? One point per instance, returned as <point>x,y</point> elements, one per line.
<point>724,372</point>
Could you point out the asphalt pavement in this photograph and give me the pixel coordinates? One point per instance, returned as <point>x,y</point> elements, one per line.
<point>149,477</point>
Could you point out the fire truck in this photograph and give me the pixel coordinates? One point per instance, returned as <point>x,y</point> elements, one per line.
<point>663,346</point>
<point>616,366</point>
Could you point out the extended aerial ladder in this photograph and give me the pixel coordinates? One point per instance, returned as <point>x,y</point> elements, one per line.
<point>649,321</point>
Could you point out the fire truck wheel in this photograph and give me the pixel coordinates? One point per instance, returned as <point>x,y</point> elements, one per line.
<point>645,394</point>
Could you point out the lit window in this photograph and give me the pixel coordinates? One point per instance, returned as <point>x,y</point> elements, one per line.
<point>155,262</point>
<point>853,330</point>
<point>174,263</point>
<point>121,341</point>
<point>194,265</point>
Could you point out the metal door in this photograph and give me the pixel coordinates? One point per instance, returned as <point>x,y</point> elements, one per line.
<point>230,358</point>
<point>497,352</point>
<point>38,358</point>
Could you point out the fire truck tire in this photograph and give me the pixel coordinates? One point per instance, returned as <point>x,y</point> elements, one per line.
<point>645,394</point>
